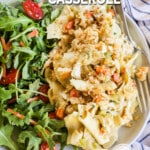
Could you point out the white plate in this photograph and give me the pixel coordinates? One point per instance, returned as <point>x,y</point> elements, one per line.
<point>127,135</point>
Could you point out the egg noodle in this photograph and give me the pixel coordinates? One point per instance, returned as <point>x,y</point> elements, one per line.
<point>91,75</point>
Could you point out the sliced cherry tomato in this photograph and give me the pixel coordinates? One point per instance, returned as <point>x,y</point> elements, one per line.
<point>44,146</point>
<point>44,89</point>
<point>52,115</point>
<point>11,76</point>
<point>33,10</point>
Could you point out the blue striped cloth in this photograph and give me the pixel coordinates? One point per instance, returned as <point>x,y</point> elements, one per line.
<point>139,11</point>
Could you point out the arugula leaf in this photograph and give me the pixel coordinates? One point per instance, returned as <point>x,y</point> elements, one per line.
<point>13,120</point>
<point>5,137</point>
<point>34,86</point>
<point>22,33</point>
<point>43,58</point>
<point>8,10</point>
<point>39,113</point>
<point>10,2</point>
<point>1,49</point>
<point>53,123</point>
<point>47,8</point>
<point>16,61</point>
<point>8,23</point>
<point>56,127</point>
<point>26,50</point>
<point>9,60</point>
<point>55,13</point>
<point>25,71</point>
<point>5,94</point>
<point>48,137</point>
<point>1,72</point>
<point>34,140</point>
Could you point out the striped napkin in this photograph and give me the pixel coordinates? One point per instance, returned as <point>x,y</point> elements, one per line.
<point>139,11</point>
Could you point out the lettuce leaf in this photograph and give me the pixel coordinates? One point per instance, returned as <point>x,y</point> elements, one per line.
<point>5,137</point>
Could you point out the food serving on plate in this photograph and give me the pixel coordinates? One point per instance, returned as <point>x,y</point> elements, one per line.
<point>88,77</point>
<point>91,75</point>
<point>25,110</point>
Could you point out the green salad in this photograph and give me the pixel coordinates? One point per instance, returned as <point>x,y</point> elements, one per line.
<point>26,114</point>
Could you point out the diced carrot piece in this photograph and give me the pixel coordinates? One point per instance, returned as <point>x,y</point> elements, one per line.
<point>74,93</point>
<point>32,99</point>
<point>60,113</point>
<point>21,43</point>
<point>17,114</point>
<point>69,25</point>
<point>88,14</point>
<point>33,122</point>
<point>34,33</point>
<point>65,75</point>
<point>98,98</point>
<point>102,69</point>
<point>6,46</point>
<point>116,77</point>
<point>102,131</point>
<point>112,11</point>
<point>123,71</point>
<point>4,43</point>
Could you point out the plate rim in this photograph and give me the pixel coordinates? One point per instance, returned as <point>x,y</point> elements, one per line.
<point>147,50</point>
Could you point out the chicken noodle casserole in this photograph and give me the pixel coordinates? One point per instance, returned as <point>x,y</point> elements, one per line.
<point>91,75</point>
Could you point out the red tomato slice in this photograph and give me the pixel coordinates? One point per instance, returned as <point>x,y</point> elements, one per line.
<point>52,115</point>
<point>10,77</point>
<point>44,146</point>
<point>44,89</point>
<point>33,10</point>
